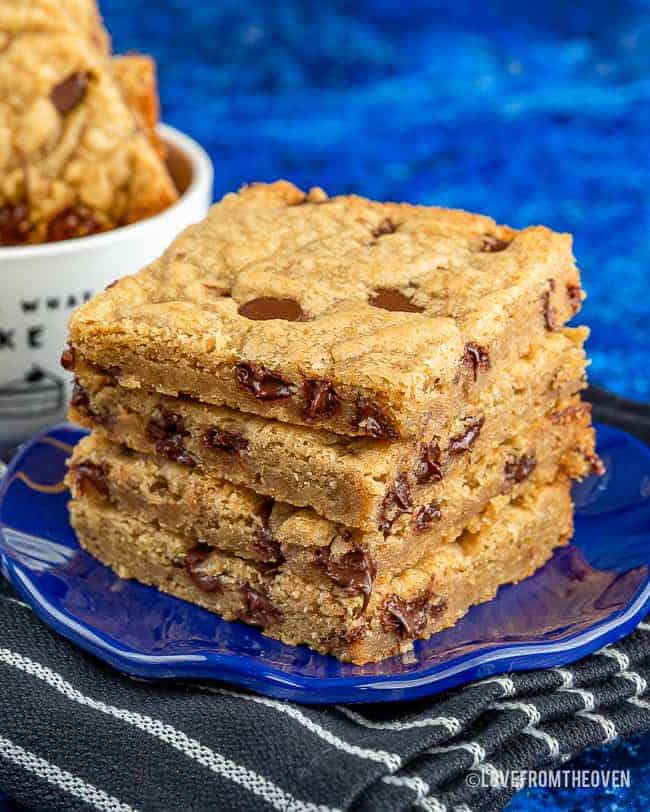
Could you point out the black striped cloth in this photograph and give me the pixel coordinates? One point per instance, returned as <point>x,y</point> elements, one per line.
<point>75,735</point>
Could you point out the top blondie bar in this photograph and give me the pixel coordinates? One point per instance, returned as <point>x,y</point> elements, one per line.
<point>74,159</point>
<point>362,318</point>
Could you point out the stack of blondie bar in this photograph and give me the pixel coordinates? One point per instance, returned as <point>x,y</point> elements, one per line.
<point>342,421</point>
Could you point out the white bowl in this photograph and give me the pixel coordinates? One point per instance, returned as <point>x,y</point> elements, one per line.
<point>40,285</point>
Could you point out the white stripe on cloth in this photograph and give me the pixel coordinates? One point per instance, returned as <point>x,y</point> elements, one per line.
<point>640,703</point>
<point>391,760</point>
<point>474,748</point>
<point>450,722</point>
<point>640,683</point>
<point>64,780</point>
<point>565,675</point>
<point>505,682</point>
<point>431,804</point>
<point>609,728</point>
<point>418,785</point>
<point>531,728</point>
<point>255,783</point>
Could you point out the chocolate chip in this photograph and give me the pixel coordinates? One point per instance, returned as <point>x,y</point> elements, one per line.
<point>396,502</point>
<point>202,580</point>
<point>14,225</point>
<point>71,223</point>
<point>394,300</point>
<point>425,515</point>
<point>476,358</point>
<point>372,421</point>
<point>354,571</point>
<point>222,440</point>
<point>491,244</point>
<point>80,399</point>
<point>385,226</point>
<point>91,474</point>
<point>408,619</point>
<point>574,295</point>
<point>67,94</point>
<point>268,546</point>
<point>262,384</point>
<point>320,399</point>
<point>268,307</point>
<point>168,432</point>
<point>111,284</point>
<point>428,467</point>
<point>549,315</point>
<point>520,468</point>
<point>464,441</point>
<point>596,465</point>
<point>258,609</point>
<point>68,359</point>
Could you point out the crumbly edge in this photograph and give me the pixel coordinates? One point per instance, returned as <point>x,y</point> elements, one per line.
<point>344,479</point>
<point>236,520</point>
<point>411,606</point>
<point>196,347</point>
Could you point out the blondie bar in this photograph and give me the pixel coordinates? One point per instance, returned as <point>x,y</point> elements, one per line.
<point>359,482</point>
<point>208,510</point>
<point>514,540</point>
<point>73,159</point>
<point>362,318</point>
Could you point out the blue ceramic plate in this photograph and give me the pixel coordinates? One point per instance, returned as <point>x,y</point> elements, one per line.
<point>590,594</point>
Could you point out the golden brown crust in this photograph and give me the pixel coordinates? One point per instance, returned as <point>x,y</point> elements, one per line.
<point>346,363</point>
<point>511,544</point>
<point>136,77</point>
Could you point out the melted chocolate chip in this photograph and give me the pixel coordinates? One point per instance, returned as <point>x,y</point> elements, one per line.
<point>80,399</point>
<point>394,300</point>
<point>464,441</point>
<point>574,295</point>
<point>386,226</point>
<point>268,307</point>
<point>354,571</point>
<point>68,359</point>
<point>168,432</point>
<point>520,468</point>
<point>71,223</point>
<point>373,421</point>
<point>67,94</point>
<point>596,465</point>
<point>491,244</point>
<point>91,474</point>
<point>262,384</point>
<point>549,315</point>
<point>268,546</point>
<point>476,358</point>
<point>428,467</point>
<point>426,515</point>
<point>396,502</point>
<point>222,440</point>
<point>258,609</point>
<point>14,225</point>
<point>202,580</point>
<point>408,619</point>
<point>320,399</point>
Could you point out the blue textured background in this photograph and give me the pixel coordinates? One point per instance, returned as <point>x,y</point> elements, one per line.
<point>530,112</point>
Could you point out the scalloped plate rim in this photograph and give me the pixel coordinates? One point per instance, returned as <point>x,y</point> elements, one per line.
<point>245,670</point>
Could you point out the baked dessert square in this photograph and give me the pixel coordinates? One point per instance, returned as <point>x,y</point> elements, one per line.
<point>512,541</point>
<point>359,318</point>
<point>73,157</point>
<point>359,482</point>
<point>342,421</point>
